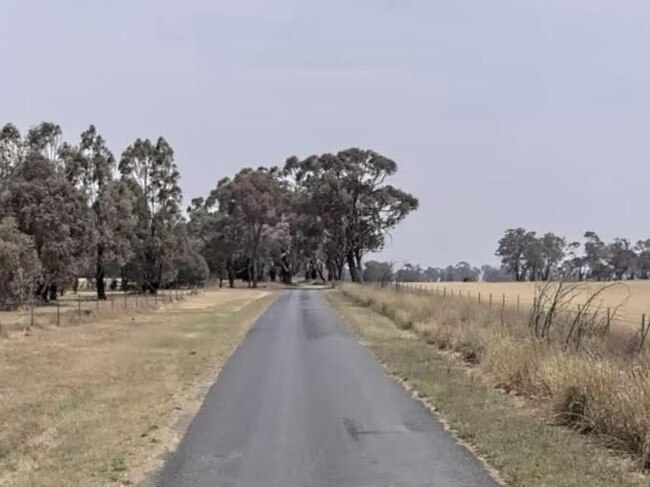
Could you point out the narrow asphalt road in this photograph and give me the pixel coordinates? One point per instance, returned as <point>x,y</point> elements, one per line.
<point>302,404</point>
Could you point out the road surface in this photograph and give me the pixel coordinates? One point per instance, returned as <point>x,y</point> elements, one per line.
<point>302,404</point>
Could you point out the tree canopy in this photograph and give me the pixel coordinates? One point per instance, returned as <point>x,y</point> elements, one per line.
<point>74,210</point>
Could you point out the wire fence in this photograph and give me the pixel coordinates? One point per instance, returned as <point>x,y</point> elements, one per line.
<point>519,302</point>
<point>82,307</point>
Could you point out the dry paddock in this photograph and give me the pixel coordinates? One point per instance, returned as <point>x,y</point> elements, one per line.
<point>631,297</point>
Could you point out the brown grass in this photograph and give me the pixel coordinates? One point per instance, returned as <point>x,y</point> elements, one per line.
<point>95,405</point>
<point>634,296</point>
<point>602,388</point>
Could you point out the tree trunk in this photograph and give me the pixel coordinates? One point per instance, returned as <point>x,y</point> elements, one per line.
<point>254,269</point>
<point>352,266</point>
<point>100,282</point>
<point>231,272</point>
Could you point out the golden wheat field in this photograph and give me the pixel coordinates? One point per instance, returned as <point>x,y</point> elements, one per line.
<point>631,297</point>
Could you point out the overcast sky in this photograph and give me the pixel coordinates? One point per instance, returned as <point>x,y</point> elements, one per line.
<point>499,113</point>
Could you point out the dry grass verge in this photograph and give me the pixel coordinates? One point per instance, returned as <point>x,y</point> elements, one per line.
<point>594,389</point>
<point>95,405</point>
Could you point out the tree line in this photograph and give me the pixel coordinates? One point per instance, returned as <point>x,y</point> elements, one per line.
<point>377,271</point>
<point>72,210</point>
<point>525,256</point>
<point>528,256</point>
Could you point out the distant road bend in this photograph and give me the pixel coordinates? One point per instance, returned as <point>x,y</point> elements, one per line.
<point>302,404</point>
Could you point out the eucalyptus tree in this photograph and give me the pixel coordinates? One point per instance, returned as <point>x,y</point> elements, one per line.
<point>90,166</point>
<point>53,212</point>
<point>46,139</point>
<point>251,202</point>
<point>12,152</point>
<point>353,202</point>
<point>150,169</point>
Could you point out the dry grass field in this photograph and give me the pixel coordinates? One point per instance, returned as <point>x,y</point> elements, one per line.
<point>632,297</point>
<point>97,404</point>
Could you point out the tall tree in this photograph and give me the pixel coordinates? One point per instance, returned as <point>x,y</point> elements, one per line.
<point>511,251</point>
<point>53,212</point>
<point>90,166</point>
<point>253,201</point>
<point>152,172</point>
<point>353,201</point>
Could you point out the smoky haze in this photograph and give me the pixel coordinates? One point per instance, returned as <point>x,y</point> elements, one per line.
<point>499,114</point>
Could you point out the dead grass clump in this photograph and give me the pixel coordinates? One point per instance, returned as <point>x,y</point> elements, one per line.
<point>515,364</point>
<point>604,397</point>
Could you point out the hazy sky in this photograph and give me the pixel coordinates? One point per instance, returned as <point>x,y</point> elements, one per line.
<point>499,113</point>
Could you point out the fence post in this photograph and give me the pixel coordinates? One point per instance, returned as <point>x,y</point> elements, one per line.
<point>112,303</point>
<point>31,312</point>
<point>643,324</point>
<point>490,300</point>
<point>444,294</point>
<point>479,297</point>
<point>58,313</point>
<point>97,304</point>
<point>609,317</point>
<point>125,303</point>
<point>503,303</point>
<point>79,306</point>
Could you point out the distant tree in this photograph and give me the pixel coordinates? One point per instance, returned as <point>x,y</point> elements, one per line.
<point>596,256</point>
<point>511,250</point>
<point>432,274</point>
<point>252,201</point>
<point>495,274</point>
<point>464,272</point>
<point>621,258</point>
<point>375,271</point>
<point>553,251</point>
<point>409,273</point>
<point>643,258</point>
<point>353,201</point>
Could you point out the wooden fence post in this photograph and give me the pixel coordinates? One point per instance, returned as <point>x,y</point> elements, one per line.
<point>503,303</point>
<point>479,297</point>
<point>79,306</point>
<point>490,300</point>
<point>58,313</point>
